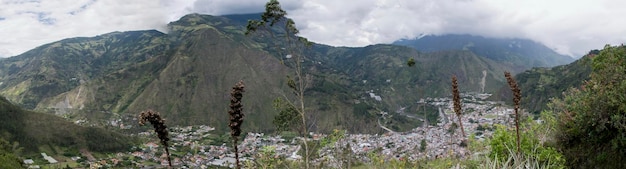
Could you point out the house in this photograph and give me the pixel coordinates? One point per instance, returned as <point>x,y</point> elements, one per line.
<point>50,159</point>
<point>152,145</point>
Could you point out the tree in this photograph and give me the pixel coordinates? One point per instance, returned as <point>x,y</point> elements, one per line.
<point>591,131</point>
<point>410,62</point>
<point>275,15</point>
<point>287,118</point>
<point>423,145</point>
<point>8,159</point>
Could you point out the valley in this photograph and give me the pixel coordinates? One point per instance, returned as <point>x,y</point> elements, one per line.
<point>204,147</point>
<point>74,103</point>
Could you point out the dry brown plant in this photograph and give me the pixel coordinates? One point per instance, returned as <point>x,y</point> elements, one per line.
<point>517,96</point>
<point>159,127</point>
<point>456,97</point>
<point>236,116</point>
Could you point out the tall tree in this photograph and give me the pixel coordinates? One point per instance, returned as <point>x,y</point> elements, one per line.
<point>274,15</point>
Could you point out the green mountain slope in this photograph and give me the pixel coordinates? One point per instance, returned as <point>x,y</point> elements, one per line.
<point>384,69</point>
<point>519,54</point>
<point>52,69</point>
<point>35,130</point>
<point>539,85</point>
<point>187,74</point>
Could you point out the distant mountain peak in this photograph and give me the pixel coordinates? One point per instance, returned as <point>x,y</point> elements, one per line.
<point>521,53</point>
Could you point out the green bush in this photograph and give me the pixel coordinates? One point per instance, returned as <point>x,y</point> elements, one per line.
<point>503,146</point>
<point>592,118</point>
<point>7,158</point>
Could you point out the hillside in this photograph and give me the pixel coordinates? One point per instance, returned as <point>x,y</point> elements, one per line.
<point>540,85</point>
<point>55,68</point>
<point>35,131</point>
<point>383,68</point>
<point>519,54</point>
<point>187,73</point>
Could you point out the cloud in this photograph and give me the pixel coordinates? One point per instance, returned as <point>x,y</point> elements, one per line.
<point>569,27</point>
<point>28,24</point>
<point>221,7</point>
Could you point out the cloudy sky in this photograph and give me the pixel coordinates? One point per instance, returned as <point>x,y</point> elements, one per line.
<point>571,27</point>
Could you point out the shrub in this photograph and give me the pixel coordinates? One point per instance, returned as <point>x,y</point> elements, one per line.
<point>532,149</point>
<point>592,119</point>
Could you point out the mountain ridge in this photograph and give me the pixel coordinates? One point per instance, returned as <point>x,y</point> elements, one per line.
<point>521,54</point>
<point>186,75</point>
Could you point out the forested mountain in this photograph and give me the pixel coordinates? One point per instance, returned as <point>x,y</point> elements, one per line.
<point>540,85</point>
<point>519,54</point>
<point>186,74</point>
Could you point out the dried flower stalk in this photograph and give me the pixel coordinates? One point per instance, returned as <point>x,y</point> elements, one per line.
<point>236,116</point>
<point>159,127</point>
<point>457,102</point>
<point>517,96</point>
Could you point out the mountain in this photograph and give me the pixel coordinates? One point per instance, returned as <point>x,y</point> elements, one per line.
<point>383,68</point>
<point>519,54</point>
<point>539,85</point>
<point>36,132</point>
<point>187,73</point>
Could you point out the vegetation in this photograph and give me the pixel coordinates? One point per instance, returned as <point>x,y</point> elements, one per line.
<point>542,84</point>
<point>275,14</point>
<point>592,118</point>
<point>287,118</point>
<point>331,87</point>
<point>124,72</point>
<point>456,98</point>
<point>159,127</point>
<point>36,131</point>
<point>517,54</point>
<point>504,142</point>
<point>236,117</point>
<point>517,96</point>
<point>8,158</point>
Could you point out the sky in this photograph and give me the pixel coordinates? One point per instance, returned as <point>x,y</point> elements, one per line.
<point>570,27</point>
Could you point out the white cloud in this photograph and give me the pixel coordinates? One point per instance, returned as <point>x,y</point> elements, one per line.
<point>28,24</point>
<point>570,27</point>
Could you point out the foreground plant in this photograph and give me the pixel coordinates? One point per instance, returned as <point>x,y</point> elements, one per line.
<point>456,97</point>
<point>503,143</point>
<point>591,128</point>
<point>236,116</point>
<point>159,127</point>
<point>517,96</point>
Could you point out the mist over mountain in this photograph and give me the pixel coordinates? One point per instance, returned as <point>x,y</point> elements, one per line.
<point>519,54</point>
